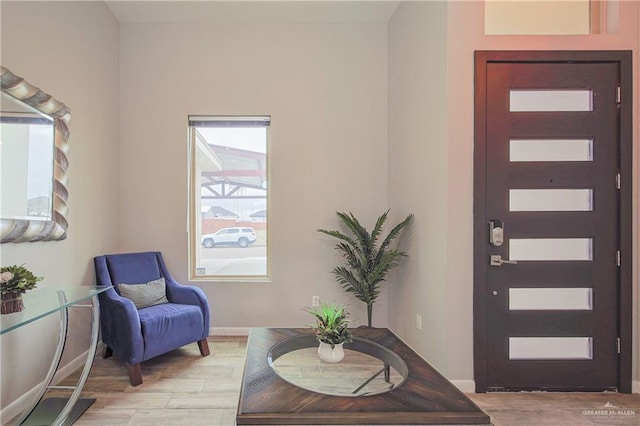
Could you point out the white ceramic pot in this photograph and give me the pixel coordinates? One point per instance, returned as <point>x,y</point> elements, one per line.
<point>330,355</point>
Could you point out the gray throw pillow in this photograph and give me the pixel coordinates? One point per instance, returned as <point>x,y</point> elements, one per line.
<point>144,295</point>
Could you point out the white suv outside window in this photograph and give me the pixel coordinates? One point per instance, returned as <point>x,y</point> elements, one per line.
<point>236,236</point>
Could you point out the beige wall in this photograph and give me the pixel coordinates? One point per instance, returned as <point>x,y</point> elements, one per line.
<point>418,173</point>
<point>70,50</point>
<point>324,86</point>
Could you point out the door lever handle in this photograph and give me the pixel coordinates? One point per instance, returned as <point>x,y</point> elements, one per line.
<point>497,260</point>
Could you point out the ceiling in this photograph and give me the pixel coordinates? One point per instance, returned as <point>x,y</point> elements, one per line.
<point>260,11</point>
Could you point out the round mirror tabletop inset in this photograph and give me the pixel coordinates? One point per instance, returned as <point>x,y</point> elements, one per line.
<point>368,368</point>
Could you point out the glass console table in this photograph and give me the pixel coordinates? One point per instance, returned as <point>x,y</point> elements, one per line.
<point>40,303</point>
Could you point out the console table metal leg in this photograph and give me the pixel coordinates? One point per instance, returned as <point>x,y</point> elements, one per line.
<point>62,339</point>
<point>95,326</point>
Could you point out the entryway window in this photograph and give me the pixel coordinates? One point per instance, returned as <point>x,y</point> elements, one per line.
<point>531,17</point>
<point>228,205</point>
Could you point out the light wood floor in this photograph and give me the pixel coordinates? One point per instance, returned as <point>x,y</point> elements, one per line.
<point>182,388</point>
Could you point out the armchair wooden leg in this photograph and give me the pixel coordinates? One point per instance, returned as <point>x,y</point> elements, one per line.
<point>107,352</point>
<point>135,374</point>
<point>203,345</point>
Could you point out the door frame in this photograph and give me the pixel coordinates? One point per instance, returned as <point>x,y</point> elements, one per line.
<point>625,164</point>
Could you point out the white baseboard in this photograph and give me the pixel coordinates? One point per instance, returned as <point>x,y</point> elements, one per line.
<point>466,386</point>
<point>19,405</point>
<point>635,386</point>
<point>229,331</point>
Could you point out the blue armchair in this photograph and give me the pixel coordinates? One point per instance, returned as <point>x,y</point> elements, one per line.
<point>137,335</point>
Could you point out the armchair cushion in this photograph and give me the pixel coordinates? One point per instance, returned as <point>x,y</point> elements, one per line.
<point>169,325</point>
<point>143,295</point>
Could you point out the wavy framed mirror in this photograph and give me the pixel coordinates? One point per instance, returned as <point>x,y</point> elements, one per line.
<point>34,143</point>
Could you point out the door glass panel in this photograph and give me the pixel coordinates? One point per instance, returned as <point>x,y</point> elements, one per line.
<point>550,299</point>
<point>550,249</point>
<point>550,348</point>
<point>550,200</point>
<point>550,100</point>
<point>550,150</point>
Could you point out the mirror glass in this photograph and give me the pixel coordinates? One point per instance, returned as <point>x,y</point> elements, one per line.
<point>26,161</point>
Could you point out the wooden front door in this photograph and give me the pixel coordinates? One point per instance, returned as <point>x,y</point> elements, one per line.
<point>552,304</point>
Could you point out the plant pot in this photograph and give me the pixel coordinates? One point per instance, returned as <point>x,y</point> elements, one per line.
<point>330,355</point>
<point>11,303</point>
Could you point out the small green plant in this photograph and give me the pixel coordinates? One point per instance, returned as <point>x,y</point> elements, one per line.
<point>331,325</point>
<point>17,279</point>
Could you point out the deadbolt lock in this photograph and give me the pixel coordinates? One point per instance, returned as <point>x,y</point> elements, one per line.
<point>496,232</point>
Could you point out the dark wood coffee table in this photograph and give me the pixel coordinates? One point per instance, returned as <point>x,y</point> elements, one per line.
<point>425,397</point>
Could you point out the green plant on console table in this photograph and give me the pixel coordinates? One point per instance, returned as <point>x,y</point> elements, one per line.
<point>17,279</point>
<point>331,324</point>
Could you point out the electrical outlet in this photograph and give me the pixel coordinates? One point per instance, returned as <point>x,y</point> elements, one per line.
<point>418,321</point>
<point>315,301</point>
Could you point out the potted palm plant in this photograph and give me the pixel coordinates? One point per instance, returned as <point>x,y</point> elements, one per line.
<point>367,262</point>
<point>14,282</point>
<point>331,330</point>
